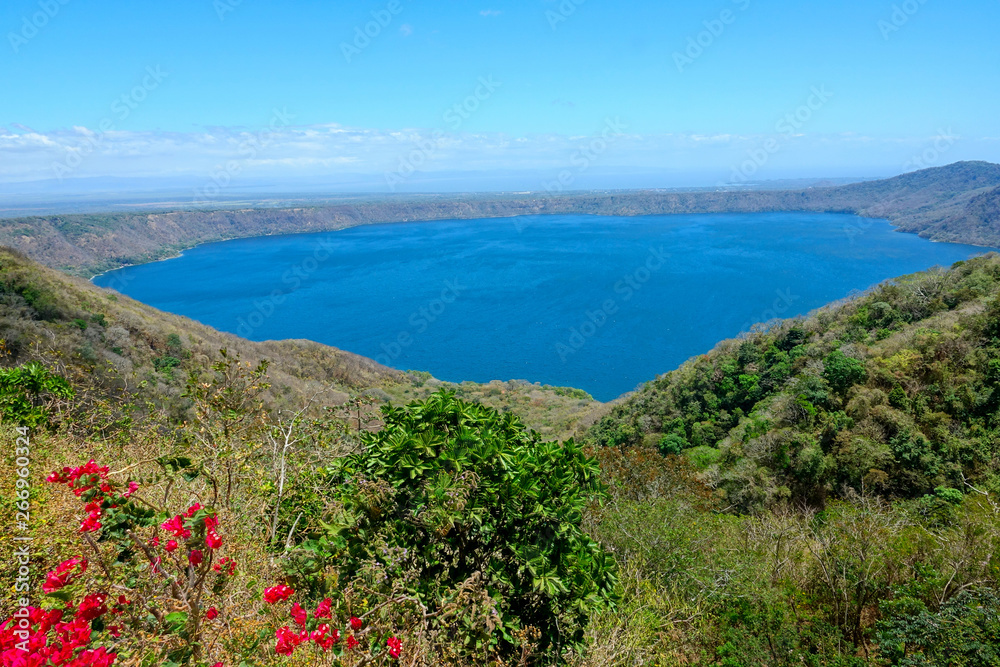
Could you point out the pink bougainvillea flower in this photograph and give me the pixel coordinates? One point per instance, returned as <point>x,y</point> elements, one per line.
<point>352,643</point>
<point>395,646</point>
<point>195,557</point>
<point>64,574</point>
<point>212,613</point>
<point>226,566</point>
<point>90,524</point>
<point>91,607</point>
<point>278,593</point>
<point>298,614</point>
<point>323,609</point>
<point>213,541</point>
<point>287,641</point>
<point>355,623</point>
<point>171,545</point>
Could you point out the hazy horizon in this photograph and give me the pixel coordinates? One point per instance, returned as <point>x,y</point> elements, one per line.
<point>393,96</point>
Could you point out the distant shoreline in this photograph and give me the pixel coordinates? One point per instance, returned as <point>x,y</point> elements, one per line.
<point>959,203</point>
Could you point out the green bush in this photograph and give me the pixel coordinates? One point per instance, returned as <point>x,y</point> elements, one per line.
<point>471,500</point>
<point>27,392</point>
<point>965,631</point>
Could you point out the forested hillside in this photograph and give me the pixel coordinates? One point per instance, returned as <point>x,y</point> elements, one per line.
<point>896,393</point>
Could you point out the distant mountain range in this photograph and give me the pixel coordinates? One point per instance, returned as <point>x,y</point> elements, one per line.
<point>958,203</point>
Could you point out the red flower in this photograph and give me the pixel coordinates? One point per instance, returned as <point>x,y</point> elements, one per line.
<point>176,527</point>
<point>323,609</point>
<point>155,542</point>
<point>91,607</point>
<point>298,614</point>
<point>195,557</point>
<point>225,566</point>
<point>355,623</point>
<point>278,593</point>
<point>395,646</point>
<point>191,511</point>
<point>132,488</point>
<point>212,613</point>
<point>171,545</point>
<point>213,541</point>
<point>64,574</point>
<point>90,524</point>
<point>352,643</point>
<point>287,641</point>
<point>211,523</point>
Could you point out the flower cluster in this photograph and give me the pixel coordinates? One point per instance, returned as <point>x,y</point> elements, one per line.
<point>313,628</point>
<point>64,574</point>
<point>201,524</point>
<point>226,566</point>
<point>90,482</point>
<point>44,638</point>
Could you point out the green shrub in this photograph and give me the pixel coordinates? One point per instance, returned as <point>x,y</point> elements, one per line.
<point>472,501</point>
<point>27,393</point>
<point>966,631</point>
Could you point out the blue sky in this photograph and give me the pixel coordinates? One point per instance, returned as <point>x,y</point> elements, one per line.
<point>261,89</point>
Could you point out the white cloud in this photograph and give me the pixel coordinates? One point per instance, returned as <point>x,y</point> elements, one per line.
<point>331,150</point>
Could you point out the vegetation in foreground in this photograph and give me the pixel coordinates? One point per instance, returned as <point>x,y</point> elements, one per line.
<point>823,492</point>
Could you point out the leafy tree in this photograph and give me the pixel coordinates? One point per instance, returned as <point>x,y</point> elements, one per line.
<point>469,495</point>
<point>843,372</point>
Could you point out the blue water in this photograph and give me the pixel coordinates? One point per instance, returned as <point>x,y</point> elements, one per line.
<point>599,303</point>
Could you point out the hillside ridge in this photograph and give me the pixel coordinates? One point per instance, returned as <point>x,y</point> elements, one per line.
<point>956,203</point>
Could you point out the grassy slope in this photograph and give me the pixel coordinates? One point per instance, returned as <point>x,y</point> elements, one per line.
<point>953,203</point>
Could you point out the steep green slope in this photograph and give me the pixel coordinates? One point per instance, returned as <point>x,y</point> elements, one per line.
<point>951,203</point>
<point>896,392</point>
